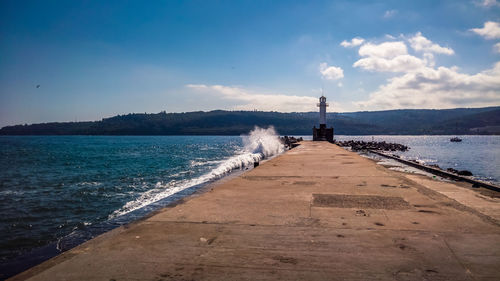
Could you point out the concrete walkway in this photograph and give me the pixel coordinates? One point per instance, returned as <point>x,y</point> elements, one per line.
<point>317,212</point>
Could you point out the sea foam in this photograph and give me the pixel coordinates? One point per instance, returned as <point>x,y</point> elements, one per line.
<point>259,144</point>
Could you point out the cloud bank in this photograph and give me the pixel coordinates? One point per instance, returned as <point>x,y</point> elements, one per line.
<point>250,100</point>
<point>437,88</point>
<point>418,83</point>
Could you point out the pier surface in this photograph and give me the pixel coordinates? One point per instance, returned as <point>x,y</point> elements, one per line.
<point>318,212</point>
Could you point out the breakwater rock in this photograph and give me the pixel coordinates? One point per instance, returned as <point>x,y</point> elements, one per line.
<point>435,166</point>
<point>290,142</point>
<point>460,173</point>
<point>373,145</point>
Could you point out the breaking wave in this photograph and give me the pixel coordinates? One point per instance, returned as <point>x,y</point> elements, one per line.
<point>259,144</point>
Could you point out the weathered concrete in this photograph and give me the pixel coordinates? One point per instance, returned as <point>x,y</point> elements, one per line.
<point>293,218</point>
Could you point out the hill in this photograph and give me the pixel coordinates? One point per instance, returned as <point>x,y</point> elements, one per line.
<point>219,122</point>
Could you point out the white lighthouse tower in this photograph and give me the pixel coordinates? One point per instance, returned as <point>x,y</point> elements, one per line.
<point>322,133</point>
<point>322,110</point>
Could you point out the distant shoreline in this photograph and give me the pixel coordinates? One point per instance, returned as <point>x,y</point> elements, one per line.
<point>459,121</point>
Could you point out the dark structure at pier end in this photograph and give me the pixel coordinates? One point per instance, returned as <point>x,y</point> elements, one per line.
<point>322,133</point>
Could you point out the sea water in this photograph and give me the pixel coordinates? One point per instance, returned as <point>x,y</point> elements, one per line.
<point>52,187</point>
<point>477,154</point>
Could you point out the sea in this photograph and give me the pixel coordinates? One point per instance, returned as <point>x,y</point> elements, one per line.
<point>58,191</point>
<point>477,154</point>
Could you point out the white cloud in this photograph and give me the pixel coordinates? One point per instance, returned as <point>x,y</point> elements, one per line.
<point>390,13</point>
<point>421,44</point>
<point>497,47</point>
<point>353,43</point>
<point>249,100</point>
<point>490,30</point>
<point>487,3</point>
<point>402,63</point>
<point>393,56</point>
<point>420,84</point>
<point>387,57</point>
<point>437,88</point>
<point>330,72</point>
<point>385,50</point>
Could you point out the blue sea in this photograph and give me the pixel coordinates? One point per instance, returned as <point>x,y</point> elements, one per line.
<point>62,190</point>
<point>478,154</point>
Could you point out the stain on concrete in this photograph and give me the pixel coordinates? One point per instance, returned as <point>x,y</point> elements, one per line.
<point>404,247</point>
<point>359,201</point>
<point>413,274</point>
<point>283,259</point>
<point>424,206</point>
<point>363,183</point>
<point>304,183</point>
<point>362,213</point>
<point>428,211</point>
<point>307,222</point>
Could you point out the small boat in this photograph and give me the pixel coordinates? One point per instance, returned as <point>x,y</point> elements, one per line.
<point>455,139</point>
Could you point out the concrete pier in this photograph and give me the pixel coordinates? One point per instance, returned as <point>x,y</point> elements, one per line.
<point>318,212</point>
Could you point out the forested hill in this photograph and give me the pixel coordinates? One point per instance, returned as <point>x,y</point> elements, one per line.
<point>393,122</point>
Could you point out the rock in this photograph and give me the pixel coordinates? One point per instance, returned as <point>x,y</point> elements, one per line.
<point>363,145</point>
<point>290,142</point>
<point>464,173</point>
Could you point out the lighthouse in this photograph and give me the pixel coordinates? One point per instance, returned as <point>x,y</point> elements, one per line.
<point>322,133</point>
<point>322,110</point>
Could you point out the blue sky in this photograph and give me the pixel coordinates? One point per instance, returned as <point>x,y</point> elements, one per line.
<point>95,59</point>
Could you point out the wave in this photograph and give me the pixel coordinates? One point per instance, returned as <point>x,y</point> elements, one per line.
<point>259,144</point>
<point>194,163</point>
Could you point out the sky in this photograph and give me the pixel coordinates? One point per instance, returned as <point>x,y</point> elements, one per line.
<point>88,60</point>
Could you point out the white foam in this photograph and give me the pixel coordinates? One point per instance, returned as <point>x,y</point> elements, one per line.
<point>259,144</point>
<point>388,162</point>
<point>177,174</point>
<point>263,141</point>
<point>401,167</point>
<point>92,183</point>
<point>203,163</point>
<point>421,161</point>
